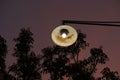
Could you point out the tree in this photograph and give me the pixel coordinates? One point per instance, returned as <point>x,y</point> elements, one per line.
<point>4,75</point>
<point>3,51</point>
<point>109,75</point>
<point>62,62</point>
<point>26,67</point>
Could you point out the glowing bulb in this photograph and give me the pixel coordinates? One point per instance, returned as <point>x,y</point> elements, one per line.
<point>64,35</point>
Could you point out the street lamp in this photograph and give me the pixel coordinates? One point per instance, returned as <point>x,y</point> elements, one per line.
<point>65,35</point>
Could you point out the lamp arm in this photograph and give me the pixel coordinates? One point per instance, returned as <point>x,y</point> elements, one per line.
<point>101,23</point>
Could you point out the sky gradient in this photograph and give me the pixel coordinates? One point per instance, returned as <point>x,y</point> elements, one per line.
<point>42,16</point>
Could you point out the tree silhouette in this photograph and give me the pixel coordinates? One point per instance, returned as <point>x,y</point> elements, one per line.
<point>27,64</point>
<point>109,75</point>
<point>62,62</point>
<point>3,51</point>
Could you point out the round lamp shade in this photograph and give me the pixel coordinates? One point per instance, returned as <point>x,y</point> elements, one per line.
<point>64,35</point>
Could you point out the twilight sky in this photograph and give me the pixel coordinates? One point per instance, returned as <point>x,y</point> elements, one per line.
<point>42,16</point>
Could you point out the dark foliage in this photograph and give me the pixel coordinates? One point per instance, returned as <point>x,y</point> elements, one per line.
<point>3,51</point>
<point>59,62</point>
<point>27,64</point>
<point>109,75</point>
<point>62,62</point>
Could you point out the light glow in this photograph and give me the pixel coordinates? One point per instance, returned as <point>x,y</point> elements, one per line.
<point>64,35</point>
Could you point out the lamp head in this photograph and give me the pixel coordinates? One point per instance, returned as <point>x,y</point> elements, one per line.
<point>64,35</point>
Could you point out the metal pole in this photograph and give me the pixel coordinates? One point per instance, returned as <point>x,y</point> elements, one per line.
<point>101,23</point>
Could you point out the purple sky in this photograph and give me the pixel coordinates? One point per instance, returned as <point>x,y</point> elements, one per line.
<point>42,16</point>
